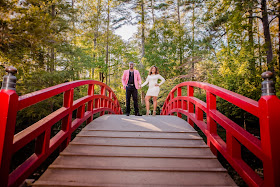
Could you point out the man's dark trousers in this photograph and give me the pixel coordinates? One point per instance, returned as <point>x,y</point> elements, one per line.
<point>131,90</point>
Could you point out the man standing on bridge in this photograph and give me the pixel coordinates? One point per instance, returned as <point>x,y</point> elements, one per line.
<point>131,81</point>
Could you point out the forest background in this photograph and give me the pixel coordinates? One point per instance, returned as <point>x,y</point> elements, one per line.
<point>228,43</point>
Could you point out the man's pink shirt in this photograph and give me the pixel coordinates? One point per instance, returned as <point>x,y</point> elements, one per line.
<point>137,78</point>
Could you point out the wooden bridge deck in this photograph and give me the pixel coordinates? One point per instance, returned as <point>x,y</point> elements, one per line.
<point>118,150</point>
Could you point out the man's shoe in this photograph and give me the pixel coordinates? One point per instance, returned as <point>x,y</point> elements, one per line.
<point>138,114</point>
<point>127,114</point>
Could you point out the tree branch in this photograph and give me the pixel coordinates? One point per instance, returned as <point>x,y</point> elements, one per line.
<point>255,17</point>
<point>256,12</point>
<point>272,19</point>
<point>220,37</point>
<point>273,13</point>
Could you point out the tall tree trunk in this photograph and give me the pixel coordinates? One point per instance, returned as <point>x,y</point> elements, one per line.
<point>251,44</point>
<point>101,76</point>
<point>180,37</point>
<point>96,34</point>
<point>73,20</point>
<point>228,43</point>
<point>107,42</point>
<point>153,13</point>
<point>73,26</point>
<point>267,36</point>
<point>259,48</point>
<point>52,62</point>
<point>193,20</point>
<point>178,11</point>
<point>142,30</point>
<point>142,44</point>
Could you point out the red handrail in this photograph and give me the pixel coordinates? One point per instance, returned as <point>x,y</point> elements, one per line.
<point>267,109</point>
<point>40,131</point>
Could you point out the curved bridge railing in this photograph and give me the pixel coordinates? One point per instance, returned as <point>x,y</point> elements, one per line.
<point>40,131</point>
<point>267,109</point>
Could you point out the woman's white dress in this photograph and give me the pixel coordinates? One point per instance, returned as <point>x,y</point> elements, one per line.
<point>153,80</point>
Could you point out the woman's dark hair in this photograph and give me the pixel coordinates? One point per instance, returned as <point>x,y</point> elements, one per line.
<point>150,72</point>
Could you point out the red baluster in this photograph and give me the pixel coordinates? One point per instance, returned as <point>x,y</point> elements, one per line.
<point>172,102</point>
<point>211,124</point>
<point>198,113</point>
<point>179,105</point>
<point>233,147</point>
<point>81,111</point>
<point>190,105</point>
<point>102,102</point>
<point>90,103</point>
<point>110,103</point>
<point>67,120</point>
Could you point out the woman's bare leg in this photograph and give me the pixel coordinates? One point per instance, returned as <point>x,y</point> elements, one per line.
<point>147,98</point>
<point>155,105</point>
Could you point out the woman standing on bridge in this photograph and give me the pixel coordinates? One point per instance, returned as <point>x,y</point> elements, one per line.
<point>153,90</point>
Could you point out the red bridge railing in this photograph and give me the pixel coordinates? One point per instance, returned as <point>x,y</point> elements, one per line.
<point>11,103</point>
<point>267,109</point>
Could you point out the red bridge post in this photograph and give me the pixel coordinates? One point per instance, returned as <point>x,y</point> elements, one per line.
<point>90,104</point>
<point>190,105</point>
<point>8,113</point>
<point>270,131</point>
<point>211,124</point>
<point>68,98</point>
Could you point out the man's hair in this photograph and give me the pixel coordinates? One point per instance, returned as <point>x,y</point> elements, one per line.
<point>131,62</point>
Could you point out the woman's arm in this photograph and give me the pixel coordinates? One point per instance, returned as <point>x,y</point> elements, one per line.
<point>146,82</point>
<point>162,79</point>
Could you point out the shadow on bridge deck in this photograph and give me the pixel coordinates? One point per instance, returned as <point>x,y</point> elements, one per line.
<point>118,150</point>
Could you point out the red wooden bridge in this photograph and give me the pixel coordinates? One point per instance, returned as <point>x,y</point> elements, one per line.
<point>118,150</point>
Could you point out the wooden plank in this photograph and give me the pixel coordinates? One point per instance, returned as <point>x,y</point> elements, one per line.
<point>131,145</point>
<point>143,123</point>
<point>137,141</point>
<point>84,184</point>
<point>151,135</point>
<point>133,168</point>
<point>138,177</point>
<point>143,156</point>
<point>116,130</point>
<point>118,150</point>
<point>136,162</point>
